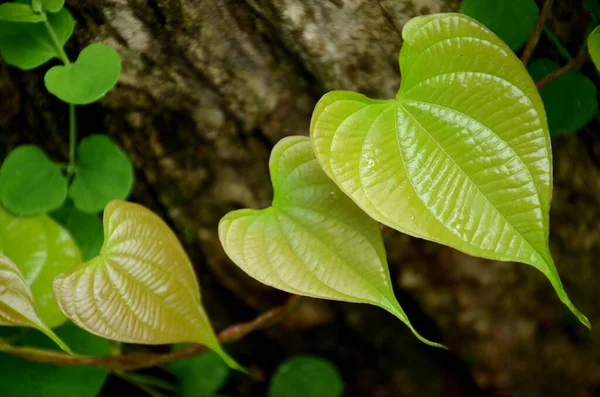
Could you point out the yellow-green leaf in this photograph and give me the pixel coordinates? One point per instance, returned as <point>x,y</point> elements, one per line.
<point>17,305</point>
<point>141,288</point>
<point>462,155</point>
<point>313,240</point>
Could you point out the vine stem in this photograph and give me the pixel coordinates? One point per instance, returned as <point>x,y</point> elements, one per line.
<point>557,73</point>
<point>128,362</point>
<point>537,32</point>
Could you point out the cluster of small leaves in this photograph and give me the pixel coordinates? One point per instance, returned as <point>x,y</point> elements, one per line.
<point>571,99</point>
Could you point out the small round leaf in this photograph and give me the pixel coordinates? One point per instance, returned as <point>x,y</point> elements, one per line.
<point>201,376</point>
<point>104,173</point>
<point>565,116</point>
<point>86,229</point>
<point>94,73</point>
<point>53,5</point>
<point>304,376</point>
<point>16,12</point>
<point>512,20</point>
<point>30,183</point>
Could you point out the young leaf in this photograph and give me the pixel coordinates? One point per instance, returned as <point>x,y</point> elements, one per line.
<point>313,240</point>
<point>28,45</point>
<point>200,376</point>
<point>594,46</point>
<point>16,12</point>
<point>23,378</point>
<point>94,73</point>
<point>304,376</point>
<point>86,229</point>
<point>53,5</point>
<point>141,288</point>
<point>104,173</point>
<point>564,116</point>
<point>461,157</point>
<point>41,249</point>
<point>17,305</point>
<point>512,20</point>
<point>30,183</point>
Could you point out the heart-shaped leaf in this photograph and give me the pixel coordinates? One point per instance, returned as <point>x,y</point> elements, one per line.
<point>94,73</point>
<point>141,288</point>
<point>17,305</point>
<point>86,229</point>
<point>304,376</point>
<point>313,240</point>
<point>461,157</point>
<point>594,46</point>
<point>30,183</point>
<point>565,117</point>
<point>29,45</point>
<point>16,12</point>
<point>512,20</point>
<point>41,249</point>
<point>104,173</point>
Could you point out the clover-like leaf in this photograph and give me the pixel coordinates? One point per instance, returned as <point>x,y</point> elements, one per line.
<point>86,229</point>
<point>594,46</point>
<point>17,305</point>
<point>41,249</point>
<point>564,116</point>
<point>462,155</point>
<point>104,173</point>
<point>141,288</point>
<point>94,73</point>
<point>17,12</point>
<point>29,45</point>
<point>512,20</point>
<point>30,183</point>
<point>53,5</point>
<point>313,240</point>
<point>304,376</point>
<point>201,376</point>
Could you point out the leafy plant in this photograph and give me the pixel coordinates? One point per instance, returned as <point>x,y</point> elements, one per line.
<point>306,376</point>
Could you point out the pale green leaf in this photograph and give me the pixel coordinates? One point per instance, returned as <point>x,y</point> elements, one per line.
<point>313,240</point>
<point>88,79</point>
<point>304,376</point>
<point>512,20</point>
<point>30,183</point>
<point>15,12</point>
<point>17,305</point>
<point>28,45</point>
<point>104,173</point>
<point>41,249</point>
<point>594,46</point>
<point>141,288</point>
<point>461,157</point>
<point>565,116</point>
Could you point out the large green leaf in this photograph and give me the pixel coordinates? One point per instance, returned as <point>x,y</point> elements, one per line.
<point>104,173</point>
<point>17,305</point>
<point>30,183</point>
<point>22,378</point>
<point>512,20</point>
<point>200,376</point>
<point>141,288</point>
<point>304,376</point>
<point>565,116</point>
<point>28,45</point>
<point>41,249</point>
<point>88,79</point>
<point>461,157</point>
<point>313,240</point>
<point>16,12</point>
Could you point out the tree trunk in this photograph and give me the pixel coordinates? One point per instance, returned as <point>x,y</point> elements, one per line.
<point>209,86</point>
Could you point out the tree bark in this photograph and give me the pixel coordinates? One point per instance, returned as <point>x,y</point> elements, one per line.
<point>209,86</point>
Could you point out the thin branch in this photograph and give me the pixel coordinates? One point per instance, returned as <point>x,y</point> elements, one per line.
<point>537,32</point>
<point>557,73</point>
<point>127,362</point>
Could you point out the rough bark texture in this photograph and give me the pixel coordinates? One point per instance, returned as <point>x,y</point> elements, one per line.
<point>209,86</point>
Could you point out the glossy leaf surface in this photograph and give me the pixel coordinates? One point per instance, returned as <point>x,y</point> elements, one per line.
<point>200,376</point>
<point>141,288</point>
<point>304,376</point>
<point>86,229</point>
<point>41,249</point>
<point>16,12</point>
<point>30,183</point>
<point>512,20</point>
<point>89,78</point>
<point>461,157</point>
<point>565,116</point>
<point>104,173</point>
<point>22,378</point>
<point>17,305</point>
<point>313,240</point>
<point>28,45</point>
